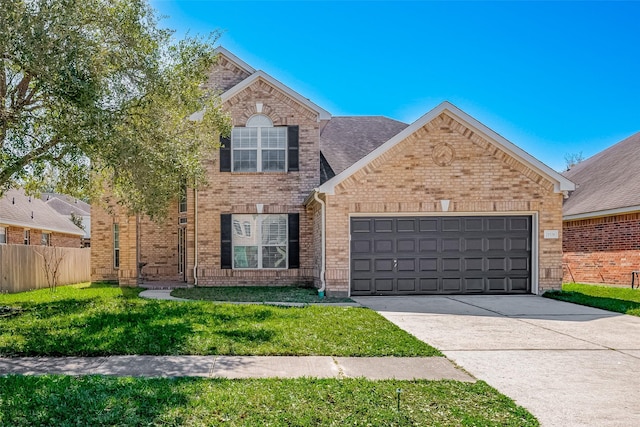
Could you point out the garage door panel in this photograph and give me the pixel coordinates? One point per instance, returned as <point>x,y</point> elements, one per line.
<point>383,246</point>
<point>440,255</point>
<point>382,265</point>
<point>406,245</point>
<point>360,246</point>
<point>384,284</point>
<point>383,225</point>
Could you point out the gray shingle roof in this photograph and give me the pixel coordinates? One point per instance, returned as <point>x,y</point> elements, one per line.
<point>65,205</point>
<point>608,180</point>
<point>345,140</point>
<point>31,212</point>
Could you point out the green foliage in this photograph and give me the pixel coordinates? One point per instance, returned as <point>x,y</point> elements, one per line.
<point>100,320</point>
<point>293,294</point>
<point>106,401</point>
<point>96,84</point>
<point>620,300</point>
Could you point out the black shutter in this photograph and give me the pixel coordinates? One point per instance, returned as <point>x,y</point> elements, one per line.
<point>292,141</point>
<point>294,240</point>
<point>225,241</point>
<point>225,154</point>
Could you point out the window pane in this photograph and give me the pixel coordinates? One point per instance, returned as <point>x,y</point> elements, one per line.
<point>244,138</point>
<point>274,230</point>
<point>273,161</point>
<point>245,257</point>
<point>245,160</point>
<point>274,257</point>
<point>273,137</point>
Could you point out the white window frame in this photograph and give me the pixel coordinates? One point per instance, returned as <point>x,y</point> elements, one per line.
<point>257,235</point>
<point>45,241</point>
<point>259,122</point>
<point>4,231</point>
<point>116,245</point>
<point>27,237</point>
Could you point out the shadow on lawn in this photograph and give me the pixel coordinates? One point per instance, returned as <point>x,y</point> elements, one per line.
<point>91,401</point>
<point>95,327</point>
<point>605,303</point>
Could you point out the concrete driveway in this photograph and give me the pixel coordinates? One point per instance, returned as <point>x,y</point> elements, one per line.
<point>567,364</point>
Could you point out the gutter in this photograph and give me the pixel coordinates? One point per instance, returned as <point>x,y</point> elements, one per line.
<point>323,283</point>
<point>195,238</point>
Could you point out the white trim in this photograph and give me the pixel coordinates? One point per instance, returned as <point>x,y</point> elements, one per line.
<point>561,183</point>
<point>237,61</point>
<point>535,238</point>
<point>322,113</point>
<point>606,212</point>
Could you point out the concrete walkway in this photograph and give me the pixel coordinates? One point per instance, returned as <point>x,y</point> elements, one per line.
<point>568,364</point>
<point>377,368</point>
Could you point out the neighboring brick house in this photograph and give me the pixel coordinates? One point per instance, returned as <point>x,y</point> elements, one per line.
<point>601,229</point>
<point>70,207</point>
<point>354,205</point>
<point>26,220</point>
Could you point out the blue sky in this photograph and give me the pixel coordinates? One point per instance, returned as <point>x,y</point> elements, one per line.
<point>552,77</point>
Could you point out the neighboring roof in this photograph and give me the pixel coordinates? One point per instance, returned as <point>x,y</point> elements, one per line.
<point>345,140</point>
<point>231,57</point>
<point>322,113</point>
<point>607,183</point>
<point>20,210</point>
<point>66,205</point>
<point>561,183</point>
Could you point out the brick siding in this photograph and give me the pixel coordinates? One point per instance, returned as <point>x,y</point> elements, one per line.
<point>15,236</point>
<point>601,250</point>
<point>480,179</point>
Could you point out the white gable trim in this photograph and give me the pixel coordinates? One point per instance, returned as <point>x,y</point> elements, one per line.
<point>561,183</point>
<point>237,61</point>
<point>322,113</point>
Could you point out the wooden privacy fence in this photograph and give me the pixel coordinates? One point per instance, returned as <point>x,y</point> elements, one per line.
<point>22,268</point>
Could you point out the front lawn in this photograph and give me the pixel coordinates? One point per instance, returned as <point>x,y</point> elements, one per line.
<point>256,294</point>
<point>100,401</point>
<point>620,300</point>
<point>99,320</point>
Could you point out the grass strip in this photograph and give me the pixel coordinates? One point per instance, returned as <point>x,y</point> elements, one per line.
<point>256,294</point>
<point>101,320</point>
<point>106,401</point>
<point>620,300</point>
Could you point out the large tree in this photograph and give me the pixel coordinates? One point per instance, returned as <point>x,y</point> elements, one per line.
<point>96,88</point>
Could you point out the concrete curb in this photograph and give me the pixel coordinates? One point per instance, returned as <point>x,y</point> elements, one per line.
<point>235,367</point>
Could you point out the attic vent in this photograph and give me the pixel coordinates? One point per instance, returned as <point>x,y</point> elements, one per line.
<point>31,214</point>
<point>13,201</point>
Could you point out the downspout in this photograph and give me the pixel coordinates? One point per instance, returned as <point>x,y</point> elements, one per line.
<point>195,238</point>
<point>323,283</point>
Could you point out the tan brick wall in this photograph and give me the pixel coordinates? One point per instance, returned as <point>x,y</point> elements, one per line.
<point>15,236</point>
<point>481,178</point>
<point>225,75</point>
<point>601,250</point>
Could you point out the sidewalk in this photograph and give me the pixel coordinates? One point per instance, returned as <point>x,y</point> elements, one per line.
<point>376,368</point>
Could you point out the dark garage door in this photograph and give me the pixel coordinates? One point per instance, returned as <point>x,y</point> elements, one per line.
<point>440,255</point>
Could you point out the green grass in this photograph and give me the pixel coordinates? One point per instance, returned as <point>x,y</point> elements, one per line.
<point>101,401</point>
<point>620,300</point>
<point>256,294</point>
<point>97,320</point>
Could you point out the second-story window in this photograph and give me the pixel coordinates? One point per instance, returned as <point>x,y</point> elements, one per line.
<point>259,147</point>
<point>182,199</point>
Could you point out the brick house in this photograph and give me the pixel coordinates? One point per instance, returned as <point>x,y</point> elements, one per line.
<point>601,218</point>
<point>353,205</point>
<point>26,220</point>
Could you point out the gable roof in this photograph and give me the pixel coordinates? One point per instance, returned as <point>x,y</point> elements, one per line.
<point>607,183</point>
<point>345,140</point>
<point>561,183</point>
<point>322,113</point>
<point>231,57</point>
<point>66,205</point>
<point>20,210</point>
